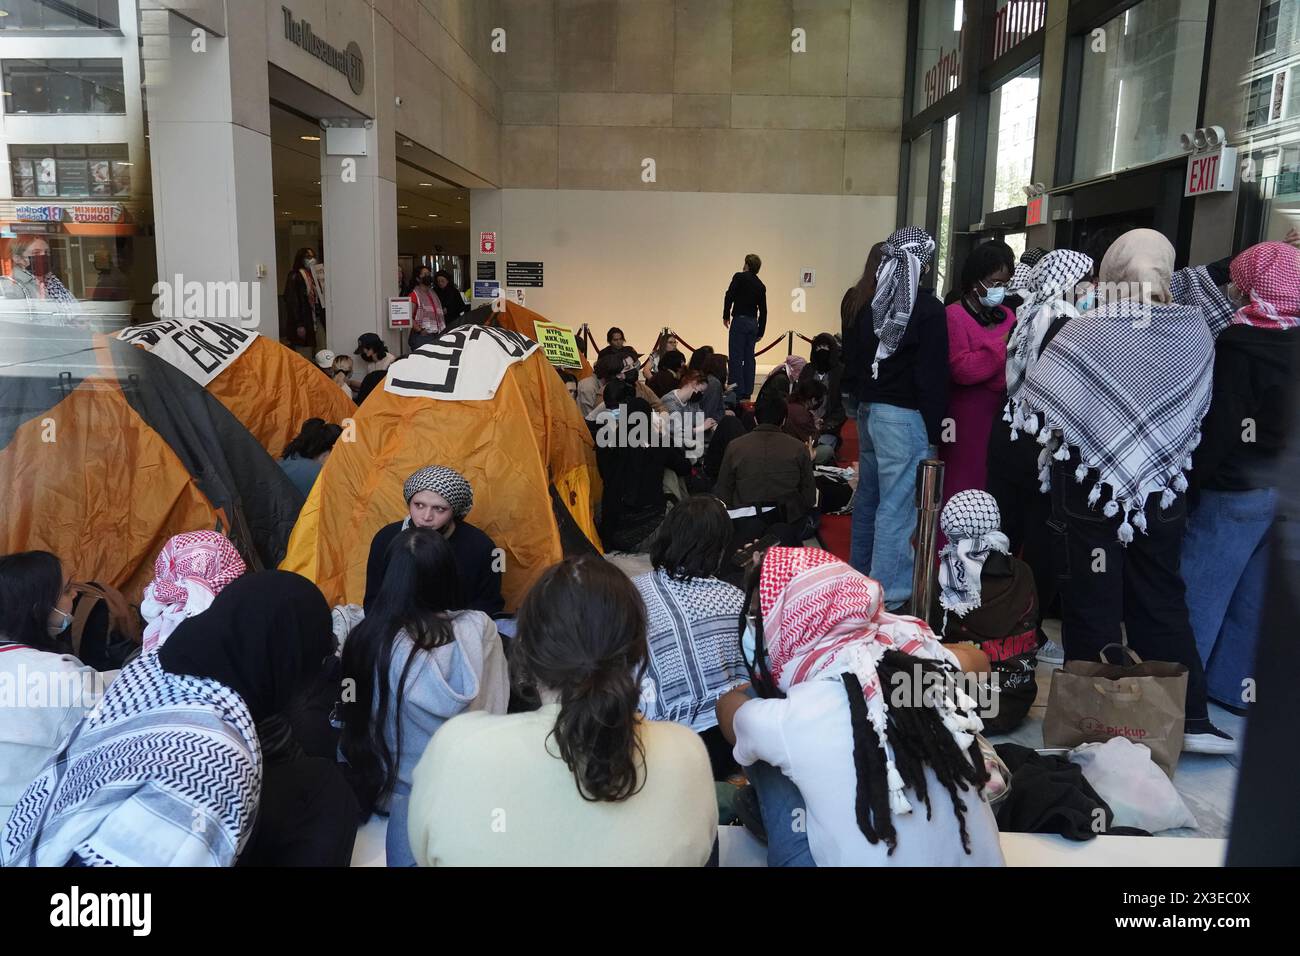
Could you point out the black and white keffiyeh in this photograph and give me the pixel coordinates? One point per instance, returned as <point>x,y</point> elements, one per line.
<point>165,771</point>
<point>973,524</point>
<point>1048,294</point>
<point>1020,277</point>
<point>443,481</point>
<point>897,279</point>
<point>1127,385</point>
<point>1195,286</point>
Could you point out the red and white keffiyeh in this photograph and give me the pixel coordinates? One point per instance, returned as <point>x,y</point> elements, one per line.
<point>190,571</point>
<point>1268,276</point>
<point>822,619</point>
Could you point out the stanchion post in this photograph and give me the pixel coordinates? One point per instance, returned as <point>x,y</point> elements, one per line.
<point>929,499</point>
<point>789,342</point>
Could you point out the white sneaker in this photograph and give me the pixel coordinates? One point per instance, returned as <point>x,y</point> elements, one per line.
<point>1208,739</point>
<point>1051,652</point>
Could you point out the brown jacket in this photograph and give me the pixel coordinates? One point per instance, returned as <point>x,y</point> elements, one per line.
<point>767,466</point>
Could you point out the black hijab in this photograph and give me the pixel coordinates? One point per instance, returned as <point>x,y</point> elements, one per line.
<point>265,637</point>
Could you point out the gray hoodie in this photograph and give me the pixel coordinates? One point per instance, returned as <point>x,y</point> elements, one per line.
<point>469,673</point>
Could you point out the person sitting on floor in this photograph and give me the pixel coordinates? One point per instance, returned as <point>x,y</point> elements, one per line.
<point>188,750</point>
<point>847,729</point>
<point>305,456</point>
<point>188,574</point>
<point>439,498</point>
<point>693,641</point>
<point>36,598</point>
<point>585,780</point>
<point>768,467</point>
<point>664,380</point>
<point>416,661</point>
<point>989,606</point>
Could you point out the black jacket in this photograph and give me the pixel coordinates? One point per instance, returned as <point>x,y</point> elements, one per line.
<point>746,296</point>
<point>473,550</point>
<point>453,303</point>
<point>916,375</point>
<point>1246,426</point>
<point>833,411</point>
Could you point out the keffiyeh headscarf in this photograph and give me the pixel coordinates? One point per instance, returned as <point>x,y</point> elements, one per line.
<point>1197,288</point>
<point>1048,292</point>
<point>189,572</point>
<point>1127,385</point>
<point>897,279</point>
<point>1020,277</point>
<point>447,482</point>
<point>822,619</point>
<point>1268,276</point>
<point>973,525</point>
<point>794,366</point>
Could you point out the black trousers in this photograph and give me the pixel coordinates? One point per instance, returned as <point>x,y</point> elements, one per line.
<point>1105,585</point>
<point>1013,482</point>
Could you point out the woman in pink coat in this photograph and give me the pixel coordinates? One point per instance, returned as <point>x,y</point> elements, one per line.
<point>978,327</point>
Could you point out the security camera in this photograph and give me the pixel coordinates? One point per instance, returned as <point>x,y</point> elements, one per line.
<point>324,124</point>
<point>397,100</point>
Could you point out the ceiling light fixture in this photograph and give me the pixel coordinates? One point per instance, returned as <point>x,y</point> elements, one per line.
<point>310,139</point>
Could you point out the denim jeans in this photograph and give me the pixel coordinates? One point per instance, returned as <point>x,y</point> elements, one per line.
<point>1225,567</point>
<point>782,807</point>
<point>398,843</point>
<point>891,443</point>
<point>741,337</point>
<point>1109,591</point>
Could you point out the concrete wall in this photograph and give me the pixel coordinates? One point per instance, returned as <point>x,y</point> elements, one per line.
<point>792,155</point>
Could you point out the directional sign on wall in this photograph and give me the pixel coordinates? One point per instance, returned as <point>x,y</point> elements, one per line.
<point>524,274</point>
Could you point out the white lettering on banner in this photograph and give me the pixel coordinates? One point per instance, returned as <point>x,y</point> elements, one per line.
<point>200,348</point>
<point>465,364</point>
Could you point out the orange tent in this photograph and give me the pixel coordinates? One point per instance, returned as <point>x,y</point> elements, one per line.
<point>514,448</point>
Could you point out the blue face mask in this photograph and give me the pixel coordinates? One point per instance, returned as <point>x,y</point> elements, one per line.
<point>993,297</point>
<point>54,630</point>
<point>1087,302</point>
<point>747,643</point>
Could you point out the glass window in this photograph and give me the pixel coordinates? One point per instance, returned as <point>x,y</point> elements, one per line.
<point>918,181</point>
<point>948,176</point>
<point>1140,91</point>
<point>98,171</point>
<point>59,15</point>
<point>64,86</point>
<point>938,45</point>
<point>1009,156</point>
<point>1013,21</point>
<point>1266,35</point>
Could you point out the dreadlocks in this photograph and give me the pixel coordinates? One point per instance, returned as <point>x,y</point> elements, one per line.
<point>919,738</point>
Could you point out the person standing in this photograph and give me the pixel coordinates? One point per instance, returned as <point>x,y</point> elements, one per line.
<point>372,350</point>
<point>302,305</point>
<point>1226,553</point>
<point>428,317</point>
<point>453,303</point>
<point>978,325</point>
<point>744,315</point>
<point>1116,398</point>
<point>902,396</point>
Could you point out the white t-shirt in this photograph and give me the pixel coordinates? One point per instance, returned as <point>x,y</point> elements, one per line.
<point>492,791</point>
<point>42,697</point>
<point>808,737</point>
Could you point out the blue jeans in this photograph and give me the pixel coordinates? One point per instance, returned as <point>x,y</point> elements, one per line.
<point>398,844</point>
<point>1225,568</point>
<point>891,442</point>
<point>741,337</point>
<point>784,816</point>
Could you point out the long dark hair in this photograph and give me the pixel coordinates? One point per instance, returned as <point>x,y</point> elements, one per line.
<point>916,733</point>
<point>300,259</point>
<point>862,293</point>
<point>693,540</point>
<point>581,633</point>
<point>31,583</point>
<point>316,438</point>
<point>421,587</point>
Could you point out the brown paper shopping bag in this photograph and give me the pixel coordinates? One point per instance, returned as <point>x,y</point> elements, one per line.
<point>1093,701</point>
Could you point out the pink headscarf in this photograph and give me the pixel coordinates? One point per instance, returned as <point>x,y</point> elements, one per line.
<point>190,571</point>
<point>1268,276</point>
<point>794,367</point>
<point>821,619</point>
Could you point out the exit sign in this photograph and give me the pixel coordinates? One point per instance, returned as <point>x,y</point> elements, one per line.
<point>1036,211</point>
<point>1212,172</point>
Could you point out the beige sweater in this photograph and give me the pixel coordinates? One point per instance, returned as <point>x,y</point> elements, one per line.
<point>488,793</point>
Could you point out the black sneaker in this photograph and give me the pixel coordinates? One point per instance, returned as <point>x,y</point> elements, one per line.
<point>1202,737</point>
<point>745,804</point>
